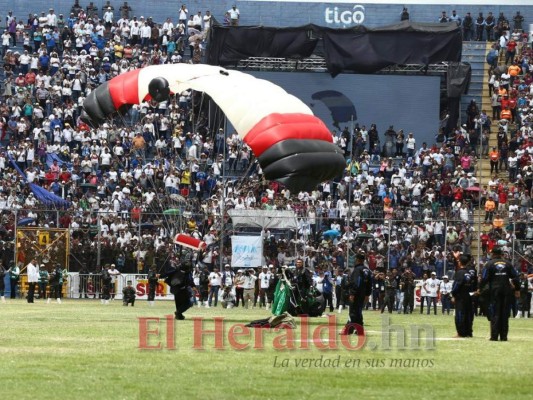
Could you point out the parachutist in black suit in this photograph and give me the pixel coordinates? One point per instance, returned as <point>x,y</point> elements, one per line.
<point>303,278</point>
<point>179,278</point>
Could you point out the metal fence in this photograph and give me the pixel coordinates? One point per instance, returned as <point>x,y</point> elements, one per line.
<point>134,243</point>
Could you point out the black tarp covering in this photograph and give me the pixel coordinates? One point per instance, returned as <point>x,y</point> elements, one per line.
<point>358,49</point>
<point>365,50</point>
<point>458,79</point>
<point>457,83</point>
<point>229,45</point>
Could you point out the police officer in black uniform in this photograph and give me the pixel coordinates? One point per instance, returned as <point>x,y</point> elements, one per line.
<point>498,275</point>
<point>525,297</point>
<point>407,284</point>
<point>359,290</point>
<point>153,278</point>
<point>106,284</point>
<point>468,24</point>
<point>464,283</point>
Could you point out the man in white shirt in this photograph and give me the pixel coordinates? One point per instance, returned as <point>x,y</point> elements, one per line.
<point>108,18</point>
<point>215,279</point>
<point>411,145</point>
<point>51,19</point>
<point>146,33</point>
<point>249,286</point>
<point>207,20</point>
<point>234,15</point>
<point>445,289</point>
<point>33,278</point>
<point>197,21</point>
<point>438,229</point>
<point>264,284</point>
<point>114,272</point>
<point>431,286</point>
<point>210,237</point>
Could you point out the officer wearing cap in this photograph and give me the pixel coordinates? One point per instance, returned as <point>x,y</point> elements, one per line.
<point>497,275</point>
<point>360,287</point>
<point>463,285</point>
<point>153,279</point>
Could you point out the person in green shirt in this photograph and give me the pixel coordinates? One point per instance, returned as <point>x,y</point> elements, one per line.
<point>56,283</point>
<point>44,277</point>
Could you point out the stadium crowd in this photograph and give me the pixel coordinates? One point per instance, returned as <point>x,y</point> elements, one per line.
<point>166,167</point>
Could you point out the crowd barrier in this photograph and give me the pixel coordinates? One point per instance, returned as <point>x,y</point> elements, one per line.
<point>89,287</point>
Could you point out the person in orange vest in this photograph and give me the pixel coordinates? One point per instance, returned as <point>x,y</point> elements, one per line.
<point>490,206</point>
<point>494,156</point>
<point>498,222</point>
<point>514,70</point>
<point>506,114</point>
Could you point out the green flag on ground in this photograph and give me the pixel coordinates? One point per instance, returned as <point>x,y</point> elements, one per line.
<point>281,298</point>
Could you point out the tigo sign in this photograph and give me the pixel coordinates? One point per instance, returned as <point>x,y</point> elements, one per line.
<point>338,16</point>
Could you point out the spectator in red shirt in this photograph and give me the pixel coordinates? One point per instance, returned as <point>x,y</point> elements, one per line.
<point>49,177</point>
<point>64,220</point>
<point>502,199</point>
<point>511,51</point>
<point>65,176</point>
<point>30,78</point>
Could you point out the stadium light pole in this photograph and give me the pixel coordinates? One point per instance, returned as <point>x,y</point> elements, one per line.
<point>480,158</point>
<point>98,244</point>
<point>349,213</point>
<point>223,197</point>
<point>15,239</point>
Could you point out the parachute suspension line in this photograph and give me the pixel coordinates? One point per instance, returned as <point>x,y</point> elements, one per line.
<point>150,178</point>
<point>243,177</point>
<point>195,126</point>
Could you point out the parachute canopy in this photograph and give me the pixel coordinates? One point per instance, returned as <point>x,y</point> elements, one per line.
<point>292,145</point>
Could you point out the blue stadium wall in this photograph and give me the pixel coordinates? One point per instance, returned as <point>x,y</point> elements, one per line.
<point>341,13</point>
<point>416,108</point>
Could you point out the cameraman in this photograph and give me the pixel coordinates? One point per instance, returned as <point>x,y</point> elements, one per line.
<point>228,298</point>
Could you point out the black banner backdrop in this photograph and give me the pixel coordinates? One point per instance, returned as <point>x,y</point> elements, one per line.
<point>359,49</point>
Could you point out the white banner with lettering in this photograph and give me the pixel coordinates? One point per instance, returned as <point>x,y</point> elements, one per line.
<point>247,251</point>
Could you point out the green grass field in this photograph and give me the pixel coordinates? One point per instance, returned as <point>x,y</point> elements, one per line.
<point>85,350</point>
